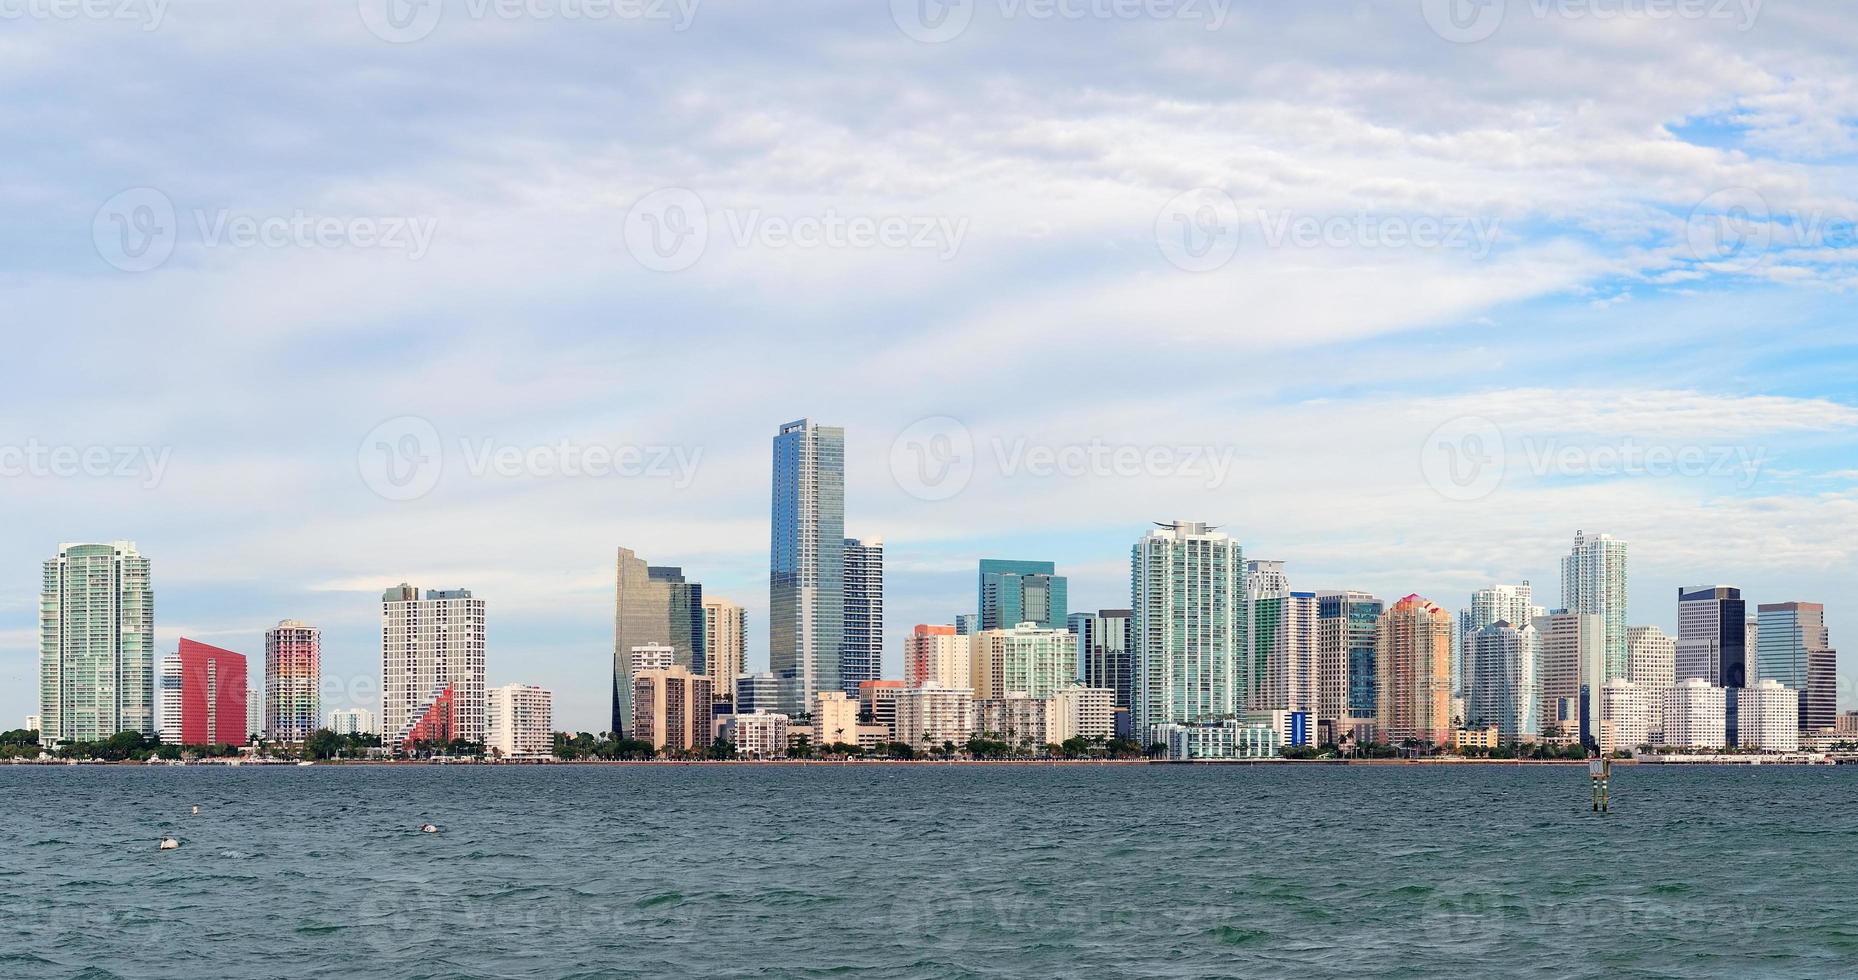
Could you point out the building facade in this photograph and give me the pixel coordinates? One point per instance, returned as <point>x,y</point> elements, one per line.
<point>757,734</point>
<point>96,644</point>
<point>835,719</point>
<point>1626,715</point>
<point>1593,582</point>
<point>1217,741</point>
<point>877,701</point>
<point>861,649</point>
<point>432,667</point>
<point>806,571</point>
<point>931,716</point>
<point>1105,640</point>
<point>725,644</point>
<point>1573,669</point>
<point>353,721</point>
<point>1513,604</point>
<point>1187,590</point>
<point>1695,715</point>
<point>937,653</point>
<point>293,681</point>
<point>653,605</point>
<point>1348,636</point>
<point>169,681</point>
<point>673,709</point>
<point>1414,654</point>
<point>1027,659</point>
<point>520,721</point>
<point>1795,651</point>
<point>213,695</point>
<point>1767,716</point>
<point>1014,592</point>
<point>1506,687</point>
<point>760,691</point>
<point>1651,663</point>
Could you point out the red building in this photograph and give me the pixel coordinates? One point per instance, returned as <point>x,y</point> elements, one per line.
<point>212,695</point>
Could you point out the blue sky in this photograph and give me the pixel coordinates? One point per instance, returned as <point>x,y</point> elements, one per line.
<point>450,231</point>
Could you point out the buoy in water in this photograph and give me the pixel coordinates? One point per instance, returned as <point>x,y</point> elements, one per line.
<point>196,809</point>
<point>428,829</point>
<point>170,844</point>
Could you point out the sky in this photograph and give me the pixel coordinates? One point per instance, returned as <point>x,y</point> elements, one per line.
<point>309,299</point>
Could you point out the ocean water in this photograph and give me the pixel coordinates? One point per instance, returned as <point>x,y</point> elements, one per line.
<point>927,871</point>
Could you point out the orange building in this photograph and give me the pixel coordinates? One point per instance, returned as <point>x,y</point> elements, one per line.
<point>1413,660</point>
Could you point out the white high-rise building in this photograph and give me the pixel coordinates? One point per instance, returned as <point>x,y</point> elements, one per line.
<point>1593,581</point>
<point>170,704</point>
<point>1506,689</point>
<point>931,715</point>
<point>1626,712</point>
<point>1280,668</point>
<point>1695,715</point>
<point>757,734</point>
<point>352,721</point>
<point>96,644</point>
<point>1651,663</point>
<point>1768,717</point>
<point>520,720</point>
<point>1187,590</point>
<point>861,645</point>
<point>1573,669</point>
<point>432,666</point>
<point>1027,659</point>
<point>254,713</point>
<point>1513,604</point>
<point>725,644</point>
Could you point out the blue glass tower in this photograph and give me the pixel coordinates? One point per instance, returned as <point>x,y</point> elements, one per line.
<point>1014,592</point>
<point>806,562</point>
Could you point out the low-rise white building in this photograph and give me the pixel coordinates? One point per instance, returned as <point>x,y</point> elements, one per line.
<point>520,722</point>
<point>1086,712</point>
<point>32,723</point>
<point>759,734</point>
<point>1626,715</point>
<point>1768,717</point>
<point>352,721</point>
<point>1695,715</point>
<point>932,715</point>
<point>1219,740</point>
<point>835,719</point>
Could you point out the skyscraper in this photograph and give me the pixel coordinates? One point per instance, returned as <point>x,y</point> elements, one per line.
<point>652,605</point>
<point>1415,660</point>
<point>170,706</point>
<point>1014,592</point>
<point>1506,688</point>
<point>1651,663</point>
<point>1593,581</point>
<point>1348,625</point>
<point>96,644</point>
<point>1026,659</point>
<point>1573,669</point>
<point>806,561</point>
<point>725,644</point>
<point>432,667</point>
<point>861,651</point>
<point>1513,604</point>
<point>1105,641</point>
<point>293,681</point>
<point>1712,635</point>
<point>519,722</point>
<point>674,709</point>
<point>1187,590</point>
<point>213,695</point>
<point>1266,587</point>
<point>1796,652</point>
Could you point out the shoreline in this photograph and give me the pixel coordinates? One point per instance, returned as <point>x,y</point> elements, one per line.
<point>867,763</point>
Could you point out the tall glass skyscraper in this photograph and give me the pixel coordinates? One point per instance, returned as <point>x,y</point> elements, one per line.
<point>1593,581</point>
<point>806,562</point>
<point>861,651</point>
<point>653,605</point>
<point>96,644</point>
<point>1348,629</point>
<point>1014,592</point>
<point>1105,640</point>
<point>1712,635</point>
<point>1796,650</point>
<point>1187,591</point>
